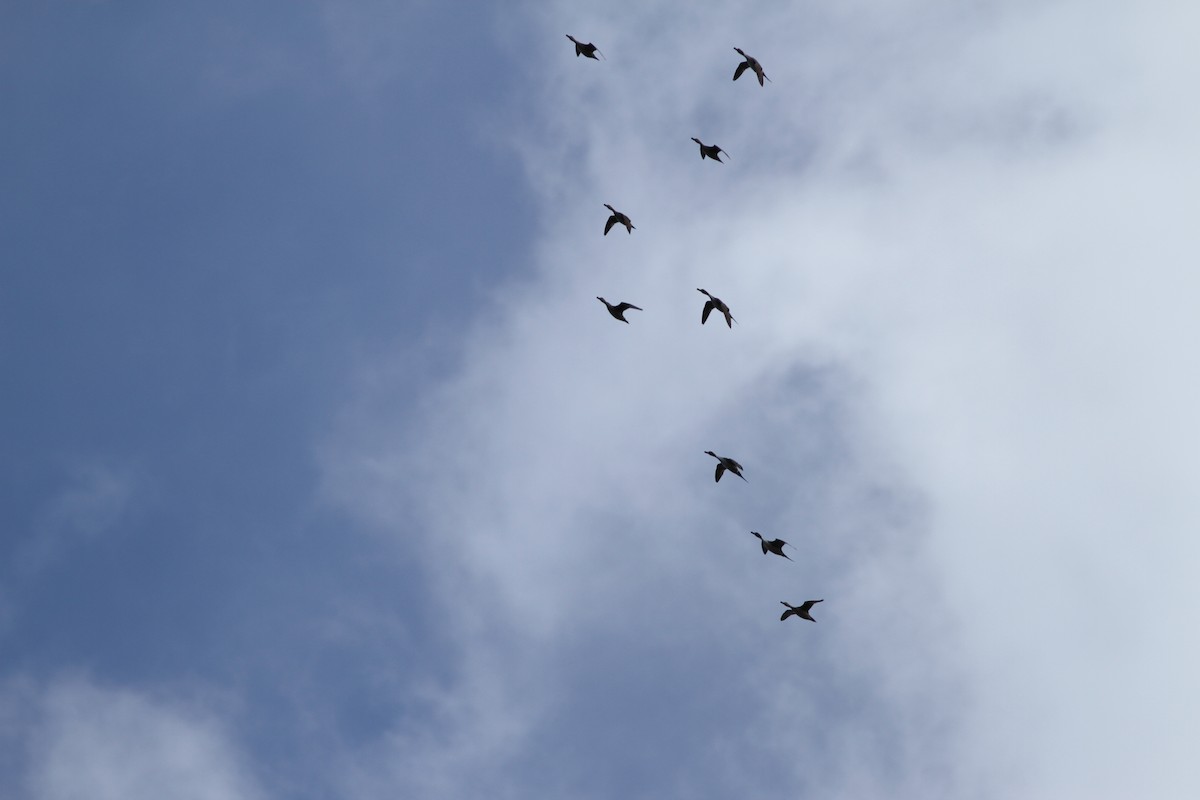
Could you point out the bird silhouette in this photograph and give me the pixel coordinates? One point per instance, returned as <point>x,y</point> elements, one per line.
<point>718,304</point>
<point>726,463</point>
<point>752,63</point>
<point>772,546</point>
<point>709,151</point>
<point>617,218</point>
<point>800,610</point>
<point>588,50</point>
<point>618,311</point>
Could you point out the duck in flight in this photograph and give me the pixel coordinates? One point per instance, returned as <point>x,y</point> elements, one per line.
<point>709,151</point>
<point>718,304</point>
<point>772,546</point>
<point>588,50</point>
<point>618,311</point>
<point>752,63</point>
<point>726,463</point>
<point>800,610</point>
<point>618,218</point>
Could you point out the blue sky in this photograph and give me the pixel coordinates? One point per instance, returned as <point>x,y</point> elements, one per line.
<point>325,475</point>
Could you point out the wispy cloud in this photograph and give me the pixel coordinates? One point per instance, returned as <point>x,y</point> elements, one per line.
<point>91,502</point>
<point>85,740</point>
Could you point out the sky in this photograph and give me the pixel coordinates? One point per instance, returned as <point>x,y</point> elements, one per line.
<point>323,474</point>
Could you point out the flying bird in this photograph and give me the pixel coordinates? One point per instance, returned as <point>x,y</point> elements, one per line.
<point>588,50</point>
<point>726,463</point>
<point>752,63</point>
<point>718,304</point>
<point>709,151</point>
<point>617,218</point>
<point>800,610</point>
<point>772,546</point>
<point>618,311</point>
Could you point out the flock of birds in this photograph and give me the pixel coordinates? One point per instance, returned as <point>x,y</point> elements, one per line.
<point>617,310</point>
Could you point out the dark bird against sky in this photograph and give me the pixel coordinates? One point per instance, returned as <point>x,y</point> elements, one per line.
<point>709,151</point>
<point>726,463</point>
<point>617,218</point>
<point>752,63</point>
<point>618,311</point>
<point>588,50</point>
<point>800,610</point>
<point>772,546</point>
<point>719,305</point>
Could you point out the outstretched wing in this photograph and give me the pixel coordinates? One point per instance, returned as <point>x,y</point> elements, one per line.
<point>626,306</point>
<point>608,226</point>
<point>737,73</point>
<point>786,614</point>
<point>728,318</point>
<point>720,471</point>
<point>708,307</point>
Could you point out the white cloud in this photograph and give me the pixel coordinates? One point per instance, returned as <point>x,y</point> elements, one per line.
<point>80,740</point>
<point>958,243</point>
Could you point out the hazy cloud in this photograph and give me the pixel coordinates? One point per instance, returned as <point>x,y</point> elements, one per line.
<point>81,740</point>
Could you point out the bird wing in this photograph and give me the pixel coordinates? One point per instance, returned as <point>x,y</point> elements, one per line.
<point>623,307</point>
<point>737,73</point>
<point>728,318</point>
<point>786,614</point>
<point>608,226</point>
<point>708,307</point>
<point>765,546</point>
<point>760,75</point>
<point>720,471</point>
<point>808,604</point>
